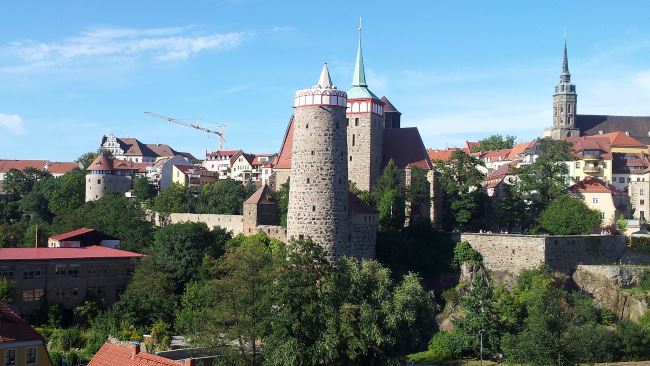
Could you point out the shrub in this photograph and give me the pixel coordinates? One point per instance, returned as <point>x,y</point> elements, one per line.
<point>463,252</point>
<point>441,347</point>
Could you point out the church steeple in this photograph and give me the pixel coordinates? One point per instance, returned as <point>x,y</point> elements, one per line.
<point>565,102</point>
<point>565,76</point>
<point>359,77</point>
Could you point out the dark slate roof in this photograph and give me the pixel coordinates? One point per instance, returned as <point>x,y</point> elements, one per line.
<point>388,107</point>
<point>405,147</point>
<point>263,196</point>
<point>13,328</point>
<point>591,124</point>
<point>358,206</point>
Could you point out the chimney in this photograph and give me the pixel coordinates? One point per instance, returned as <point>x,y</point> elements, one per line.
<point>135,348</point>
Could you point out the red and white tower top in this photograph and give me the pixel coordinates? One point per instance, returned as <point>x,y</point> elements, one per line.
<point>323,93</point>
<point>361,99</point>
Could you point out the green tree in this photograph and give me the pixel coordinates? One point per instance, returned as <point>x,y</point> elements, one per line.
<point>149,297</point>
<point>21,182</point>
<point>35,205</point>
<point>418,193</point>
<point>546,179</point>
<point>464,198</point>
<point>113,214</point>
<point>143,189</point>
<point>494,142</point>
<point>69,194</point>
<point>511,209</point>
<point>390,198</point>
<point>282,197</point>
<point>480,317</point>
<point>224,197</point>
<point>7,291</point>
<point>568,215</point>
<point>182,247</point>
<point>175,198</point>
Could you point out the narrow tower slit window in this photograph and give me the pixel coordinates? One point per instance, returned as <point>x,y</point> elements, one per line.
<point>353,139</point>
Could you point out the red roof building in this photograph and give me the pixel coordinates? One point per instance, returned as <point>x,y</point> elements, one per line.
<point>115,355</point>
<point>20,344</point>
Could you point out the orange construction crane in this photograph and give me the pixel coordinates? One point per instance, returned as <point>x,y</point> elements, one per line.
<point>196,125</point>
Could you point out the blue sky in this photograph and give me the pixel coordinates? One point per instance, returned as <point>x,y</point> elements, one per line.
<point>71,71</point>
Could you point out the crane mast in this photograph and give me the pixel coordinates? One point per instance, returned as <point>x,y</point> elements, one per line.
<point>219,133</point>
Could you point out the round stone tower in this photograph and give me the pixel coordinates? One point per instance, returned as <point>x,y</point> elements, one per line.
<point>318,193</point>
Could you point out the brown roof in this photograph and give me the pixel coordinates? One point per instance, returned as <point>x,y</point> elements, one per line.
<point>620,139</point>
<point>101,162</point>
<point>222,153</point>
<point>440,154</point>
<point>405,147</point>
<point>114,355</point>
<point>496,154</point>
<point>133,147</point>
<point>520,148</point>
<point>469,145</point>
<point>13,328</point>
<point>358,206</point>
<point>594,185</point>
<point>283,159</point>
<point>388,106</point>
<point>249,157</point>
<point>638,127</point>
<point>263,196</point>
<point>54,167</point>
<point>57,167</point>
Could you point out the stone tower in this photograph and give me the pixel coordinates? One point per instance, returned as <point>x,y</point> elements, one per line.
<point>318,194</point>
<point>564,104</point>
<point>365,113</point>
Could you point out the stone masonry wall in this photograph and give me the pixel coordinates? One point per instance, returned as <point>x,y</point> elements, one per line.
<point>318,195</point>
<point>234,223</point>
<point>364,135</point>
<point>364,234</point>
<point>512,253</point>
<point>98,184</point>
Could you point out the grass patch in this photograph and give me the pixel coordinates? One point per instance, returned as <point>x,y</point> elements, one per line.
<point>428,358</point>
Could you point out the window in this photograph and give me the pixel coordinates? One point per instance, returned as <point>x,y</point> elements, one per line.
<point>312,152</point>
<point>59,271</point>
<point>350,157</point>
<point>577,164</point>
<point>356,122</point>
<point>313,208</point>
<point>33,275</point>
<point>10,357</point>
<point>604,164</point>
<point>30,355</point>
<point>307,180</point>
<point>621,179</point>
<point>306,125</point>
<point>353,139</point>
<point>642,202</point>
<point>594,200</point>
<point>59,292</point>
<point>602,216</point>
<point>73,271</point>
<point>8,274</point>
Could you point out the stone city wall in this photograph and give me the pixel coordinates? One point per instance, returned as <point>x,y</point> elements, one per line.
<point>511,253</point>
<point>234,223</point>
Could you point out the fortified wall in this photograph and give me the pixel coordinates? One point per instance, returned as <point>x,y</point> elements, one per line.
<point>234,223</point>
<point>511,253</point>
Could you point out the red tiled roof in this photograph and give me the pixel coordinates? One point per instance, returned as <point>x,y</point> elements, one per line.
<point>440,154</point>
<point>262,196</point>
<point>469,145</point>
<point>619,138</point>
<point>520,148</point>
<point>13,328</point>
<point>405,147</point>
<point>7,165</point>
<point>93,251</point>
<point>283,159</point>
<point>58,167</point>
<point>71,234</point>
<point>222,153</point>
<point>114,355</point>
<point>594,185</point>
<point>493,154</point>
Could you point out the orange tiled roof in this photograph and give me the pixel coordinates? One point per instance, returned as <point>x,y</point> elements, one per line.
<point>283,159</point>
<point>115,355</point>
<point>594,185</point>
<point>620,139</point>
<point>520,148</point>
<point>441,154</point>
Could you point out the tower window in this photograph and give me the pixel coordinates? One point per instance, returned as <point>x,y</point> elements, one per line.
<point>307,180</point>
<point>356,122</point>
<point>350,157</point>
<point>312,152</point>
<point>347,121</point>
<point>313,208</point>
<point>307,125</point>
<point>353,139</point>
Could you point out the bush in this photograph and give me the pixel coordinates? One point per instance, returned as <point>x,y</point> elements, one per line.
<point>441,347</point>
<point>463,252</point>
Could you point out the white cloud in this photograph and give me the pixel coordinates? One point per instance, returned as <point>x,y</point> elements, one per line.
<point>114,43</point>
<point>12,123</point>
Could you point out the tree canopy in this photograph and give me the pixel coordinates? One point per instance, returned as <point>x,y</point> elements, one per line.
<point>494,142</point>
<point>568,215</point>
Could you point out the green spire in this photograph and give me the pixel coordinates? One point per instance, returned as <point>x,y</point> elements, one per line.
<point>359,78</point>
